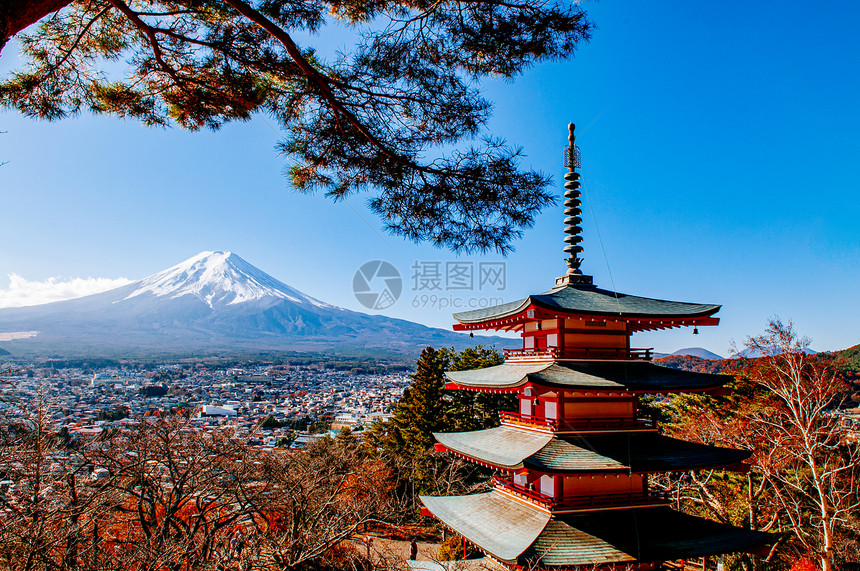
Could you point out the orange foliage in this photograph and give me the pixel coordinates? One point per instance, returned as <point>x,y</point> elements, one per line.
<point>803,564</point>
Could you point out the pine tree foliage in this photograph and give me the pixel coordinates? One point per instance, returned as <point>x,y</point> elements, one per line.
<point>419,412</point>
<point>475,410</point>
<point>426,407</point>
<point>399,116</point>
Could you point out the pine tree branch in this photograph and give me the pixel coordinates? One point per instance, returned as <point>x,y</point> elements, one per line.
<point>320,80</point>
<point>152,37</point>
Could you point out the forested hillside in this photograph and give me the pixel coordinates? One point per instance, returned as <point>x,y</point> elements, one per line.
<point>697,364</point>
<point>847,361</point>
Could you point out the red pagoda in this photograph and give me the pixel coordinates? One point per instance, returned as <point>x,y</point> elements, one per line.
<point>575,458</point>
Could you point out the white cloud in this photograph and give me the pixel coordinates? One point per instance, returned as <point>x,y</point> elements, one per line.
<point>22,292</point>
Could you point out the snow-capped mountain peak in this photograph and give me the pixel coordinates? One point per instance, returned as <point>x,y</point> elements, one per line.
<point>219,278</point>
<point>215,303</point>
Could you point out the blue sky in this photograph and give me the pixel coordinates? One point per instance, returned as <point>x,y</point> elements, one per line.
<point>720,158</point>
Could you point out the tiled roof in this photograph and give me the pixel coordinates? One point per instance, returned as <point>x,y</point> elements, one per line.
<point>497,524</point>
<point>630,375</point>
<point>513,531</point>
<point>513,448</point>
<point>591,301</point>
<point>639,452</point>
<point>562,545</point>
<point>662,534</point>
<point>501,446</point>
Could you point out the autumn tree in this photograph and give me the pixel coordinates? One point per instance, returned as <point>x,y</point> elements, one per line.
<point>400,115</point>
<point>816,480</point>
<point>744,499</point>
<point>305,504</point>
<point>43,507</point>
<point>783,406</point>
<point>164,495</point>
<point>175,492</point>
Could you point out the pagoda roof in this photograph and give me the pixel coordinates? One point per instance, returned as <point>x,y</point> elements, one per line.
<point>496,523</point>
<point>590,300</point>
<point>637,376</point>
<point>517,532</point>
<point>512,448</point>
<point>501,446</point>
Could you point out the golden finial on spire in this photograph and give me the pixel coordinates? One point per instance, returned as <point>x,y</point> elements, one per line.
<point>571,153</point>
<point>573,215</point>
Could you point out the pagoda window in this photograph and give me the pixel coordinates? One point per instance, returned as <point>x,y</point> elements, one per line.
<point>550,409</point>
<point>547,485</point>
<point>552,340</point>
<point>528,342</point>
<point>521,479</point>
<point>526,407</point>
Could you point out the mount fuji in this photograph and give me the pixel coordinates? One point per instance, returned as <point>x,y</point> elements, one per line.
<point>214,302</point>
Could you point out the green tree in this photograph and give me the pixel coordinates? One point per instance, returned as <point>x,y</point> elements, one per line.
<point>346,436</point>
<point>468,410</point>
<point>153,390</point>
<point>398,115</point>
<point>419,412</point>
<point>426,407</point>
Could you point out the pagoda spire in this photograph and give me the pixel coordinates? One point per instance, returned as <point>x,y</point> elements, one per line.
<point>573,215</point>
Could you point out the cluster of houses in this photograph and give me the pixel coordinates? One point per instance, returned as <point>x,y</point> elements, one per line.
<point>271,405</point>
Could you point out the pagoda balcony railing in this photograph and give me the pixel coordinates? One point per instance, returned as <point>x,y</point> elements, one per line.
<point>592,501</point>
<point>575,424</point>
<point>601,353</point>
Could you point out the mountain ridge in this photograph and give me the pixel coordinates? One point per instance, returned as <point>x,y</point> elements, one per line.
<point>700,352</point>
<point>214,301</point>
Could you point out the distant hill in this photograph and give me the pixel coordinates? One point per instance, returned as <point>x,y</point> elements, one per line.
<point>215,303</point>
<point>751,353</point>
<point>4,351</point>
<point>849,363</point>
<point>696,364</point>
<point>699,352</point>
<point>850,358</point>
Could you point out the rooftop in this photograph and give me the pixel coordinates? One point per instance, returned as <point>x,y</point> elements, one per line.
<point>587,300</point>
<point>634,376</point>
<point>512,448</point>
<point>515,532</point>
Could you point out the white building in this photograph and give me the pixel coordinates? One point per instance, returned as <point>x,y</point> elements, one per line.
<point>212,410</point>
